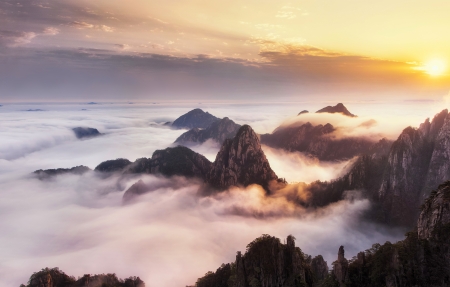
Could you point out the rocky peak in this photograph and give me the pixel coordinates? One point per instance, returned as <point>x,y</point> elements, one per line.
<point>339,108</point>
<point>319,268</point>
<point>241,161</point>
<point>340,267</point>
<point>303,112</point>
<point>196,118</point>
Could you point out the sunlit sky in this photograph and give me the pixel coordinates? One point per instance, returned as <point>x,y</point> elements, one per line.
<point>215,50</point>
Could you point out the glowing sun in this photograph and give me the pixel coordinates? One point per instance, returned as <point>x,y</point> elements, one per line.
<point>434,67</point>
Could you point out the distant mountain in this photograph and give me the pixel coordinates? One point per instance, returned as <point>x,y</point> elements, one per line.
<point>219,131</point>
<point>196,118</point>
<point>317,142</point>
<point>303,112</point>
<point>241,161</point>
<point>398,179</point>
<point>339,108</point>
<point>83,132</point>
<point>56,278</point>
<point>49,173</point>
<point>421,259</point>
<point>113,165</point>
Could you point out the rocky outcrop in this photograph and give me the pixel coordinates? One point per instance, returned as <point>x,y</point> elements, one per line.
<point>339,108</point>
<point>266,263</point>
<point>219,131</point>
<point>435,212</point>
<point>82,132</point>
<point>340,267</point>
<point>49,173</point>
<point>196,118</point>
<point>317,141</point>
<point>241,161</point>
<point>56,278</point>
<point>319,268</point>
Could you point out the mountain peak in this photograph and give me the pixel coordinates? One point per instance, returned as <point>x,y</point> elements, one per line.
<point>241,161</point>
<point>196,118</point>
<point>339,108</point>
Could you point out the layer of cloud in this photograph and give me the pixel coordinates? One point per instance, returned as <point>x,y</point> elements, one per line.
<point>79,223</point>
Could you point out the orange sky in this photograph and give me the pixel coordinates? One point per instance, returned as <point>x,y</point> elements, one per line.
<point>303,47</point>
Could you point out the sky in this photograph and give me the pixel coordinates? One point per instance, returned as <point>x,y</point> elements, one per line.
<point>216,51</point>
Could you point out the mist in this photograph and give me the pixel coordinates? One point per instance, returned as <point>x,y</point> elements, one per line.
<point>169,236</point>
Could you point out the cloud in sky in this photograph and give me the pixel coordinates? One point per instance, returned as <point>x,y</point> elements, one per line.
<point>265,58</point>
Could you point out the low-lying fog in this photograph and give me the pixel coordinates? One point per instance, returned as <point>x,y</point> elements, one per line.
<point>169,237</point>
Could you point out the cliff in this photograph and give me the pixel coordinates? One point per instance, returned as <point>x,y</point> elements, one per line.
<point>241,161</point>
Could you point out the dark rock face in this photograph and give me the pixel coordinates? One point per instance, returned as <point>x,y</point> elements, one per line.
<point>417,163</point>
<point>241,161</point>
<point>219,131</point>
<point>422,259</point>
<point>56,278</point>
<point>340,267</point>
<point>317,141</point>
<point>339,108</point>
<point>399,178</point>
<point>179,161</point>
<point>49,173</point>
<point>435,212</point>
<point>303,112</point>
<point>81,132</point>
<point>113,165</point>
<point>266,263</point>
<point>196,118</point>
<point>319,268</point>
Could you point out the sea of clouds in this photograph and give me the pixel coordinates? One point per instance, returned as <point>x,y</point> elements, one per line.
<point>170,236</point>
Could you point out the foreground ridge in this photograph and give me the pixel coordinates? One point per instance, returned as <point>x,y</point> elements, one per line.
<point>421,259</point>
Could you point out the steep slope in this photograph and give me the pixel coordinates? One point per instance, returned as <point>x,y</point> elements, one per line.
<point>417,162</point>
<point>241,161</point>
<point>219,131</point>
<point>196,118</point>
<point>339,108</point>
